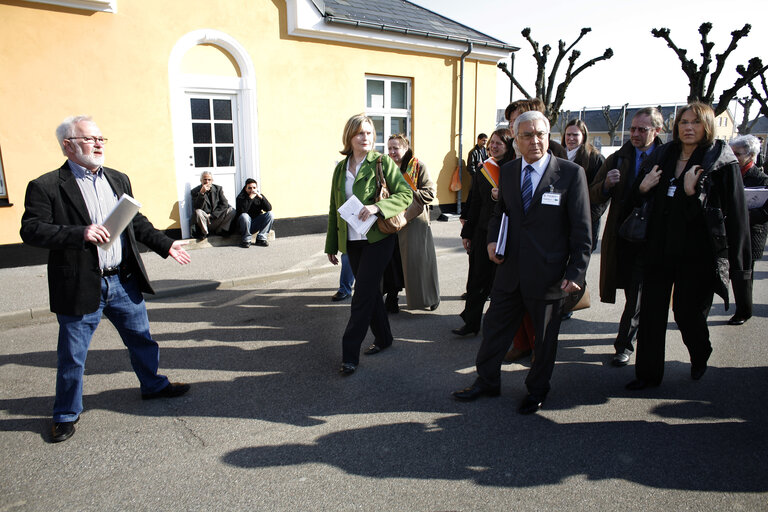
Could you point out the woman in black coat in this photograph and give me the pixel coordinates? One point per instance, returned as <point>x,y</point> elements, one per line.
<point>474,233</point>
<point>581,152</point>
<point>697,225</point>
<point>746,148</point>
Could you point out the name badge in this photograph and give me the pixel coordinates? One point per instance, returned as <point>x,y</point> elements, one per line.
<point>671,190</point>
<point>551,198</point>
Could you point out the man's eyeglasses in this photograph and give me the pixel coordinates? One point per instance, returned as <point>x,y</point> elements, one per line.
<point>90,140</point>
<point>530,135</point>
<point>640,129</point>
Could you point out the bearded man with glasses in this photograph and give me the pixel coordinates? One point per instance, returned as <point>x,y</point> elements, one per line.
<point>64,212</point>
<point>620,264</point>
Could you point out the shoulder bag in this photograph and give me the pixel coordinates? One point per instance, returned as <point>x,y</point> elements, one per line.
<point>392,224</point>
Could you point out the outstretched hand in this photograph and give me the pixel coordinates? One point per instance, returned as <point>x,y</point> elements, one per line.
<point>178,252</point>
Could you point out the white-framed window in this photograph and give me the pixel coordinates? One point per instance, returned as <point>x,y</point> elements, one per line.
<point>388,104</point>
<point>88,5</point>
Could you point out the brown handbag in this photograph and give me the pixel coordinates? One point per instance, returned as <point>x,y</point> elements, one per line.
<point>392,224</point>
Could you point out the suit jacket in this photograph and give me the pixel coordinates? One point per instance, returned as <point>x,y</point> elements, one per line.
<point>55,218</point>
<point>549,243</point>
<point>216,204</point>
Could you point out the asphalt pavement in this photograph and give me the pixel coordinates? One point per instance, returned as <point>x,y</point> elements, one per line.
<point>270,425</point>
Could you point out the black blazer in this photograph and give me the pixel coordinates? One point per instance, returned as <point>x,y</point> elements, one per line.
<point>549,243</point>
<point>218,205</point>
<point>55,218</point>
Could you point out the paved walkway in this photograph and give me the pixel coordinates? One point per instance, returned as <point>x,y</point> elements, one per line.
<point>213,267</point>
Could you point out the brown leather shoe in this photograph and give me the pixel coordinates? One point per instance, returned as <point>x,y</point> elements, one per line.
<point>516,354</point>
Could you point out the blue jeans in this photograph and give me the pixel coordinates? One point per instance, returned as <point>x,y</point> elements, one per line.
<point>250,225</point>
<point>122,303</point>
<point>346,278</point>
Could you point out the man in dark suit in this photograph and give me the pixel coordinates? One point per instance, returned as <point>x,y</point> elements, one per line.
<point>64,212</point>
<point>620,264</point>
<point>549,240</point>
<point>212,211</point>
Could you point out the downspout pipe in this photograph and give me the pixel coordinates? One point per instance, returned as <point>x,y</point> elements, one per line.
<point>461,121</point>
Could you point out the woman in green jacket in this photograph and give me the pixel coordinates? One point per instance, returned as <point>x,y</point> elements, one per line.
<point>368,252</point>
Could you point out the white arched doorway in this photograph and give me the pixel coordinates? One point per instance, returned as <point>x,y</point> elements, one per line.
<point>213,114</point>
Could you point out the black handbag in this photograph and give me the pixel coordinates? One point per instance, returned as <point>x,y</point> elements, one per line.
<point>635,227</point>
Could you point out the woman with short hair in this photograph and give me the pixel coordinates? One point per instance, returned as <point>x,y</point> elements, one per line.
<point>368,252</point>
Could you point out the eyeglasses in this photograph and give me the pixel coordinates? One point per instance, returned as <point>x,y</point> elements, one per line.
<point>527,136</point>
<point>640,129</point>
<point>90,140</point>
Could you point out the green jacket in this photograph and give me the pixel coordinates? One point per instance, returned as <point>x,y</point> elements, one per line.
<point>365,190</point>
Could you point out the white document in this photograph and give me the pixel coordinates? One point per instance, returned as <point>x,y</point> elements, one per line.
<point>755,197</point>
<point>349,211</point>
<point>119,218</point>
<point>501,241</point>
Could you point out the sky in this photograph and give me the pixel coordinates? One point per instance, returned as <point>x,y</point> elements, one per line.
<point>643,69</point>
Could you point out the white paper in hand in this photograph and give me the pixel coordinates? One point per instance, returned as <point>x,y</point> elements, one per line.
<point>501,241</point>
<point>349,211</point>
<point>119,218</point>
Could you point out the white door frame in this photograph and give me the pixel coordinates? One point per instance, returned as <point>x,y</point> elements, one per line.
<point>243,87</point>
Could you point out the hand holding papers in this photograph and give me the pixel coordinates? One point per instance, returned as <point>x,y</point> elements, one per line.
<point>119,218</point>
<point>501,241</point>
<point>349,211</point>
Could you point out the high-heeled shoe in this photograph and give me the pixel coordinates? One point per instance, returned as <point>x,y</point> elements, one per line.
<point>464,330</point>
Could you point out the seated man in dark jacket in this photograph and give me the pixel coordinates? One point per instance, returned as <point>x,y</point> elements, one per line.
<point>254,214</point>
<point>212,211</point>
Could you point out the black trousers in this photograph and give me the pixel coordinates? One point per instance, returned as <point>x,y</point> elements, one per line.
<point>368,262</point>
<point>630,317</point>
<point>692,300</point>
<point>479,283</point>
<point>742,295</point>
<point>502,321</point>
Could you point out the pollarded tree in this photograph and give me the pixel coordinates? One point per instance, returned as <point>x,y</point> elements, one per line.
<point>613,125</point>
<point>761,97</point>
<point>746,124</point>
<point>545,85</point>
<point>699,88</point>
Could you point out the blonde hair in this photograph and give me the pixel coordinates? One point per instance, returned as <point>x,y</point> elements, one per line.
<point>352,128</point>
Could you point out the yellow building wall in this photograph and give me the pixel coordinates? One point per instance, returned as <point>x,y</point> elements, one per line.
<point>58,62</point>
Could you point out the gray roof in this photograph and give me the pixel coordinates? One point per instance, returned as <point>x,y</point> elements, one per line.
<point>403,17</point>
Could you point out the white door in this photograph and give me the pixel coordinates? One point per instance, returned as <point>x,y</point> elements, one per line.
<point>214,141</point>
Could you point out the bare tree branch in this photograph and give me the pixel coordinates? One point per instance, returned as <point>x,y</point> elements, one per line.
<point>503,66</point>
<point>736,36</point>
<point>754,69</point>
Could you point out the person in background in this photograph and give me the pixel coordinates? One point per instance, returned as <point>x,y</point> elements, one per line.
<point>346,280</point>
<point>583,153</point>
<point>212,211</point>
<point>417,248</point>
<point>64,212</point>
<point>746,148</point>
<point>369,253</point>
<point>620,263</point>
<point>698,220</point>
<point>474,233</point>
<point>254,215</point>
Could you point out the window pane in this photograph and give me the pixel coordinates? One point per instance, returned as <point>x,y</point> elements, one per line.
<point>378,124</point>
<point>399,95</point>
<point>222,109</point>
<point>399,125</point>
<point>203,157</point>
<point>375,93</point>
<point>200,108</point>
<point>223,133</point>
<point>225,157</point>
<point>201,133</point>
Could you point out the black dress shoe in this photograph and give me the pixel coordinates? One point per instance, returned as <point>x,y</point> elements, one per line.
<point>738,320</point>
<point>347,368</point>
<point>697,371</point>
<point>374,349</point>
<point>620,359</point>
<point>63,430</point>
<point>530,405</point>
<point>474,392</point>
<point>172,390</point>
<point>464,330</point>
<point>434,306</point>
<point>245,245</point>
<point>339,296</point>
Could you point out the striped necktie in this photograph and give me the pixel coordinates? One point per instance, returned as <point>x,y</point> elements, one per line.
<point>527,188</point>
